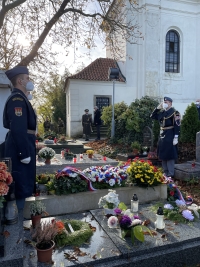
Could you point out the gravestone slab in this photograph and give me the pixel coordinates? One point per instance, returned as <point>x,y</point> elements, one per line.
<point>185,171</point>
<point>147,137</point>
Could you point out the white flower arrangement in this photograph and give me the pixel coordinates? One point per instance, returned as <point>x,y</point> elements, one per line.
<point>46,153</point>
<point>110,200</point>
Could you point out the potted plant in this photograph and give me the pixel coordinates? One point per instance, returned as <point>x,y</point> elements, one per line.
<point>47,153</point>
<point>109,202</point>
<point>50,187</point>
<point>44,235</point>
<point>42,180</point>
<point>144,149</point>
<point>62,140</point>
<point>90,153</point>
<point>37,208</point>
<point>136,147</point>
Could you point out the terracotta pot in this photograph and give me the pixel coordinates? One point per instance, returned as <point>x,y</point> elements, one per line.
<point>135,151</point>
<point>90,156</point>
<point>45,255</point>
<point>47,161</point>
<point>36,220</point>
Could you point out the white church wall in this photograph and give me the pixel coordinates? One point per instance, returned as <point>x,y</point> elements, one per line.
<point>82,95</point>
<point>145,72</point>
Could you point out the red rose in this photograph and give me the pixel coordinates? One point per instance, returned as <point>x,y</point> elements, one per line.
<point>171,193</point>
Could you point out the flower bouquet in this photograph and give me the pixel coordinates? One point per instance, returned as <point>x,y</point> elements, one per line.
<point>5,180</point>
<point>178,211</point>
<point>109,202</point>
<point>143,173</point>
<point>130,224</point>
<point>46,153</point>
<point>106,176</point>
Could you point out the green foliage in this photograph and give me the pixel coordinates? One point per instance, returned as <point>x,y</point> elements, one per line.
<point>81,234</point>
<point>98,185</point>
<point>135,145</point>
<point>66,185</point>
<point>130,121</point>
<point>190,124</point>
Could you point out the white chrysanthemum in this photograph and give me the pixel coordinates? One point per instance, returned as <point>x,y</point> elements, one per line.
<point>136,222</point>
<point>112,182</point>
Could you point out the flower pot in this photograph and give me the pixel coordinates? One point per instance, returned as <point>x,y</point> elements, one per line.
<point>42,188</point>
<point>135,151</point>
<point>109,211</point>
<point>90,156</point>
<point>45,255</point>
<point>48,161</point>
<point>35,219</point>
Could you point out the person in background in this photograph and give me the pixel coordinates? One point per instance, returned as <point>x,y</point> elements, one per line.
<point>20,119</point>
<point>47,125</point>
<point>198,106</point>
<point>87,124</point>
<point>61,126</point>
<point>170,121</point>
<point>97,121</point>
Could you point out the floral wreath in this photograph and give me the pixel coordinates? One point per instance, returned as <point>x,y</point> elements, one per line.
<point>82,232</point>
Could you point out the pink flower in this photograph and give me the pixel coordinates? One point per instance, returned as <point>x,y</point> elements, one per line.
<point>3,175</point>
<point>112,222</point>
<point>3,189</point>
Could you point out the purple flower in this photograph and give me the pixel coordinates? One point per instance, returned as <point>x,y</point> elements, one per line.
<point>125,221</point>
<point>136,217</point>
<point>117,211</point>
<point>187,214</point>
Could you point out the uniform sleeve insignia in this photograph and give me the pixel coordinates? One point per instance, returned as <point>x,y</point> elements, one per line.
<point>18,111</point>
<point>17,98</point>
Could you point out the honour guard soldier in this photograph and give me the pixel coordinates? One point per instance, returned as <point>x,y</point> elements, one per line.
<point>169,120</point>
<point>97,121</point>
<point>47,125</point>
<point>20,119</point>
<point>87,124</point>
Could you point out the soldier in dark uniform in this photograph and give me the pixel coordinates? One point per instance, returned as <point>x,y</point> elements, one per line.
<point>47,124</point>
<point>19,117</point>
<point>169,120</point>
<point>60,126</point>
<point>87,124</point>
<point>97,121</point>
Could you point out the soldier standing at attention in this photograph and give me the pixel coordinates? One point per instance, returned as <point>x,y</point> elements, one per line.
<point>47,124</point>
<point>19,117</point>
<point>97,121</point>
<point>169,120</point>
<point>87,124</point>
<point>60,126</point>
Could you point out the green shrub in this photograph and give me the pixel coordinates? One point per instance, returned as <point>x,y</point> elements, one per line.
<point>190,125</point>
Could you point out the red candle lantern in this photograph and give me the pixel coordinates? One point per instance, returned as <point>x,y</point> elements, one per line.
<point>36,141</point>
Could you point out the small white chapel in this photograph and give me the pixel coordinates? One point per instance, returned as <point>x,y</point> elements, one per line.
<point>165,62</point>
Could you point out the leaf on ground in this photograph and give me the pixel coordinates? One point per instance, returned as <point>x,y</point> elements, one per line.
<point>70,257</point>
<point>146,222</point>
<point>147,233</point>
<point>78,252</point>
<point>115,252</point>
<point>6,234</point>
<point>92,228</point>
<point>29,242</point>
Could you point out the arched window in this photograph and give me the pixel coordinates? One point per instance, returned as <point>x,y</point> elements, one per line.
<point>172,59</point>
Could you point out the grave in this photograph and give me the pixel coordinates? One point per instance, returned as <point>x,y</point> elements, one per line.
<point>189,169</point>
<point>175,246</point>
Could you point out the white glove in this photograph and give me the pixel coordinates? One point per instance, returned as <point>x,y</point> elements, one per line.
<point>175,141</point>
<point>160,105</point>
<point>26,160</point>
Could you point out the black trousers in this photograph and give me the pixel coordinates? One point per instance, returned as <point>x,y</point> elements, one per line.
<point>98,131</point>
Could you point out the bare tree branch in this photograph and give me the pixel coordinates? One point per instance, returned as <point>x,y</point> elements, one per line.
<point>6,8</point>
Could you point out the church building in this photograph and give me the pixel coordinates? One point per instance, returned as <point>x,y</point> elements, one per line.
<point>165,62</point>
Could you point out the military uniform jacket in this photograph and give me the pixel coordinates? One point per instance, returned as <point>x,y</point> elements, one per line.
<point>97,117</point>
<point>87,124</point>
<point>169,121</point>
<point>19,117</point>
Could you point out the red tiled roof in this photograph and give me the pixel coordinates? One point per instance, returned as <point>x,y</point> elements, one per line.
<point>97,71</point>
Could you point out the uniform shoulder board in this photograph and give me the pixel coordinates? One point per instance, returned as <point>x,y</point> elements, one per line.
<point>17,98</point>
